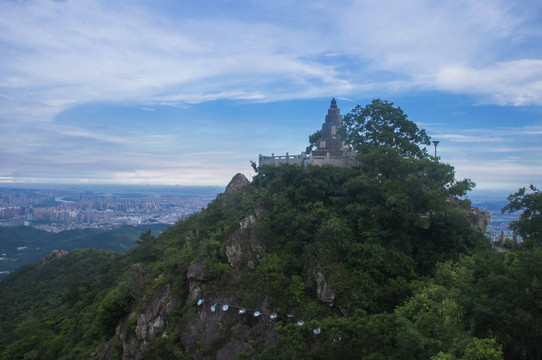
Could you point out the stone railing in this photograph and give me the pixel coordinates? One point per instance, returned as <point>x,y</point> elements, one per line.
<point>348,159</point>
<point>283,159</point>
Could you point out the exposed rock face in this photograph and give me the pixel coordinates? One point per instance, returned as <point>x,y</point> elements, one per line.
<point>195,275</point>
<point>478,218</point>
<point>206,334</point>
<point>205,329</point>
<point>149,322</point>
<point>237,182</point>
<point>324,293</point>
<point>246,222</point>
<point>54,255</point>
<point>153,319</point>
<point>136,268</point>
<point>196,271</point>
<point>243,247</point>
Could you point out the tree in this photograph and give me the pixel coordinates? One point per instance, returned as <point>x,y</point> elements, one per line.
<point>529,223</point>
<point>313,141</point>
<point>380,124</point>
<point>114,306</point>
<point>483,349</point>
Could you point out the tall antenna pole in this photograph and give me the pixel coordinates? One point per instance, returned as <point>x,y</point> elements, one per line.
<point>436,144</point>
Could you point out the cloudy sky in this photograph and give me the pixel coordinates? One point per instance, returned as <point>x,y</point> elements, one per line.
<point>188,92</point>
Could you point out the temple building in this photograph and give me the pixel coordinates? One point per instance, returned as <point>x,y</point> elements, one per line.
<point>331,148</point>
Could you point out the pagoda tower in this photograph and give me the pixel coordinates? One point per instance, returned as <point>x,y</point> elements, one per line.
<point>331,148</point>
<point>331,143</point>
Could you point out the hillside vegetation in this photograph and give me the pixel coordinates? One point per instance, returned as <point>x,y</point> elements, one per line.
<point>23,244</point>
<point>374,262</point>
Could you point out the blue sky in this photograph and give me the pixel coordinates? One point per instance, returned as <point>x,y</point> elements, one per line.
<point>188,92</point>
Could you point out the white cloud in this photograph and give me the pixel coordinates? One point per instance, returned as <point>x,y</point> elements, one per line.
<point>78,52</point>
<point>500,174</point>
<point>525,130</point>
<point>511,151</point>
<point>468,47</point>
<point>66,53</point>
<point>471,138</point>
<point>419,33</point>
<point>504,83</point>
<point>515,149</point>
<point>59,55</point>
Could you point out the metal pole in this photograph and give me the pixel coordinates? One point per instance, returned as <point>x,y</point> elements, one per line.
<point>436,143</point>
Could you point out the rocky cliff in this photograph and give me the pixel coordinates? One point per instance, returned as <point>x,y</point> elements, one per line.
<point>206,332</point>
<point>478,218</point>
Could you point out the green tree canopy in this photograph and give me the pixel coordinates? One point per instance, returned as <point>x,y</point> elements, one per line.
<point>313,141</point>
<point>380,124</point>
<point>529,223</point>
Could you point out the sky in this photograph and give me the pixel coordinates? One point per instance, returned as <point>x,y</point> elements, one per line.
<point>186,92</point>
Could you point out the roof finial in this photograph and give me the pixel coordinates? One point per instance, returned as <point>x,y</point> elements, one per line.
<point>333,103</point>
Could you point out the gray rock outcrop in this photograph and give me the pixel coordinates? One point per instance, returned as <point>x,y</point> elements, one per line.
<point>478,218</point>
<point>324,293</point>
<point>149,322</point>
<point>237,182</point>
<point>196,271</point>
<point>53,255</point>
<point>243,247</point>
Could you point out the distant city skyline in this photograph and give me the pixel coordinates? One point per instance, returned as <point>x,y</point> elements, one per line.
<point>187,93</point>
<point>99,207</point>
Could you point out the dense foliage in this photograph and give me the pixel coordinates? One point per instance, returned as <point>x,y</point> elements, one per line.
<point>313,141</point>
<point>50,309</point>
<point>529,223</point>
<point>34,244</point>
<point>381,125</point>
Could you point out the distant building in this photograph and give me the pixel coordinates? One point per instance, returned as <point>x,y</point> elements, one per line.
<point>331,147</point>
<point>16,221</point>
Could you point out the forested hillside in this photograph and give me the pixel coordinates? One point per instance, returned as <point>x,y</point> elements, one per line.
<point>390,271</point>
<point>386,260</point>
<point>23,245</point>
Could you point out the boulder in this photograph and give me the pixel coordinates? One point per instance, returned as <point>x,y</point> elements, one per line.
<point>324,293</point>
<point>196,271</point>
<point>54,255</point>
<point>478,218</point>
<point>243,247</point>
<point>237,182</point>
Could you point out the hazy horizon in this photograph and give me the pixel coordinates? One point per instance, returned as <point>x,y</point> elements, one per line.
<point>475,194</point>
